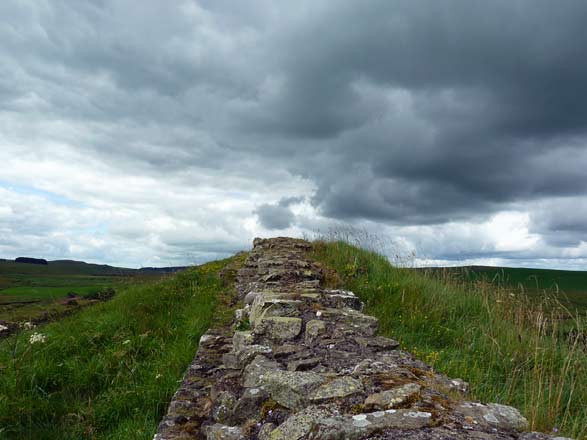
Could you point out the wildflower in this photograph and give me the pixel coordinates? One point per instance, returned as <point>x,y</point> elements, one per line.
<point>159,376</point>
<point>27,325</point>
<point>3,328</point>
<point>318,313</point>
<point>37,338</point>
<point>126,342</point>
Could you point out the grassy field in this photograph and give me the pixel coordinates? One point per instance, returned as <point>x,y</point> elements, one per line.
<point>108,372</point>
<point>29,292</point>
<point>511,348</point>
<point>570,287</point>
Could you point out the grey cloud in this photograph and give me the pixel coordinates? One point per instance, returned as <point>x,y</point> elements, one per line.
<point>279,215</point>
<point>400,113</point>
<point>561,222</point>
<point>502,103</point>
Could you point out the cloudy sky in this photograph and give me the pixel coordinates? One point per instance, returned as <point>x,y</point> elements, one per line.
<point>163,133</point>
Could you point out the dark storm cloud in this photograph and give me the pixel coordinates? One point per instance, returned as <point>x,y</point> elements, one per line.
<point>279,215</point>
<point>403,112</point>
<point>500,87</point>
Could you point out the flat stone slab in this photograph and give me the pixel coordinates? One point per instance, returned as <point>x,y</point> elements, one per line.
<point>278,328</point>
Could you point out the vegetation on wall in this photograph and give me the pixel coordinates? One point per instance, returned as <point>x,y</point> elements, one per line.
<point>511,349</point>
<point>107,372</point>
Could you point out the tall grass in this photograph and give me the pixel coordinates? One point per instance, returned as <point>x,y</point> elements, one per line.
<point>109,371</point>
<point>511,350</point>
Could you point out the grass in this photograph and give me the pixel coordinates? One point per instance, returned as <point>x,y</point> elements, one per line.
<point>512,349</point>
<point>25,293</point>
<point>29,292</point>
<point>570,287</point>
<point>108,372</point>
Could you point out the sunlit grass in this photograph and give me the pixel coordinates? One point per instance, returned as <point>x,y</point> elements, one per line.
<point>510,349</point>
<point>107,372</point>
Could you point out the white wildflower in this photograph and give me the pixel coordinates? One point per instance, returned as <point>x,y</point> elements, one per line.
<point>318,313</point>
<point>126,342</point>
<point>37,338</point>
<point>3,328</point>
<point>159,376</point>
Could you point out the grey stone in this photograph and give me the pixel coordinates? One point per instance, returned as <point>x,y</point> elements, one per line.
<point>337,388</point>
<point>344,298</point>
<point>265,431</point>
<point>300,424</point>
<point>288,388</point>
<point>223,432</point>
<point>265,307</point>
<point>540,436</point>
<point>371,366</point>
<point>239,359</point>
<point>303,364</point>
<point>279,329</point>
<point>250,297</point>
<point>286,350</point>
<point>224,407</point>
<point>377,342</point>
<point>250,403</point>
<point>242,338</point>
<point>392,398</point>
<point>314,328</point>
<point>255,370</point>
<point>494,415</point>
<point>362,425</point>
<point>353,320</point>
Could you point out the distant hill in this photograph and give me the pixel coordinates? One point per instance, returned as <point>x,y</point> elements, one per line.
<point>72,267</point>
<point>29,260</point>
<point>532,279</point>
<point>171,269</point>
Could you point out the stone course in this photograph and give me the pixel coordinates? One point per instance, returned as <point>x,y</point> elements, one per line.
<point>303,362</point>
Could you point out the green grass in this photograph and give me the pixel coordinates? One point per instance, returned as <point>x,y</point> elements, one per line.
<point>109,371</point>
<point>510,348</point>
<point>25,293</point>
<point>570,287</point>
<point>43,286</point>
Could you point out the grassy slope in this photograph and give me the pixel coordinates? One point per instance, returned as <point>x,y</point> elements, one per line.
<point>510,352</point>
<point>107,372</point>
<point>569,286</point>
<point>42,285</point>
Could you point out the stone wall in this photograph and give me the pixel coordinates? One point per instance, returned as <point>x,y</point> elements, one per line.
<point>303,362</point>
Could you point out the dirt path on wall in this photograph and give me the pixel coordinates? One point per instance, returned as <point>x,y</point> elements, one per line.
<point>301,361</point>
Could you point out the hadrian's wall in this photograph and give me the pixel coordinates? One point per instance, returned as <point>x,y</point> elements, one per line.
<point>303,362</point>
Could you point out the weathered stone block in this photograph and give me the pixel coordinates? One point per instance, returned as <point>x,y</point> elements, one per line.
<point>265,308</point>
<point>279,329</point>
<point>338,388</point>
<point>288,388</point>
<point>494,415</point>
<point>392,398</point>
<point>242,338</point>
<point>223,432</point>
<point>314,328</point>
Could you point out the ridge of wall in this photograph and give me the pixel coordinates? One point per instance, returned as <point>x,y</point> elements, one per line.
<point>303,362</point>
